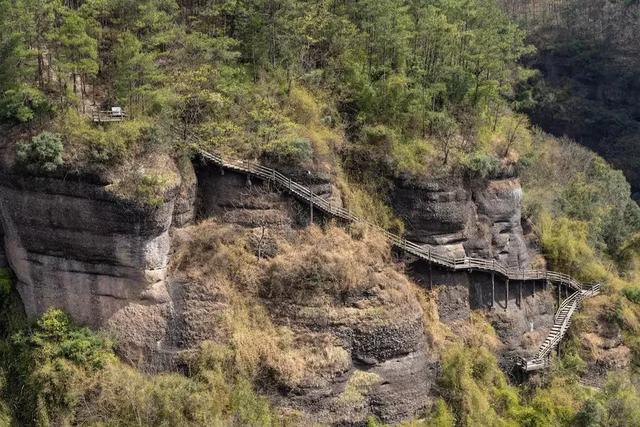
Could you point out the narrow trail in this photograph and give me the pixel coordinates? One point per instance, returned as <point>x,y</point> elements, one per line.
<point>425,252</point>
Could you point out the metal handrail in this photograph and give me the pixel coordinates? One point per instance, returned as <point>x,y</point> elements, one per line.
<point>428,253</point>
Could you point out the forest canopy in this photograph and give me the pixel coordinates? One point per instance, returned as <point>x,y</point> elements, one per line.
<point>435,70</point>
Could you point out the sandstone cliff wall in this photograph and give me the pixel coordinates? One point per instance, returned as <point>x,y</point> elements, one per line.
<point>521,315</point>
<point>366,350</point>
<point>463,216</point>
<point>75,246</point>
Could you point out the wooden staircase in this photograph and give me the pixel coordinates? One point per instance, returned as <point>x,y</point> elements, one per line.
<point>429,254</point>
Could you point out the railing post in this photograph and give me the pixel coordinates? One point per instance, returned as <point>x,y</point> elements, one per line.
<point>545,285</point>
<point>311,207</point>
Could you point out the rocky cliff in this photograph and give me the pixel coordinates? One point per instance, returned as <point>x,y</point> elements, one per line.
<point>74,245</point>
<point>3,257</point>
<point>463,216</point>
<point>356,343</point>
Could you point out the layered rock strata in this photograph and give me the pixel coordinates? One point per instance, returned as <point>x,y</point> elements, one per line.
<point>480,218</point>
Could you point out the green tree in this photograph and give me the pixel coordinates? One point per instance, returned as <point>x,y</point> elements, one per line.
<point>42,154</point>
<point>24,26</point>
<point>135,71</point>
<point>76,51</point>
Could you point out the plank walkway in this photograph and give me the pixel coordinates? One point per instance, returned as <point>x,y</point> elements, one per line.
<point>430,255</point>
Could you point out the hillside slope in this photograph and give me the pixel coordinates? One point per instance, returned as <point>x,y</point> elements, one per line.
<point>216,298</point>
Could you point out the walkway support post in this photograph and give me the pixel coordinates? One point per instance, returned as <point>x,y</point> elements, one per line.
<point>520,289</point>
<point>311,208</point>
<point>506,294</point>
<point>430,272</point>
<point>493,289</point>
<point>559,293</point>
<point>534,289</point>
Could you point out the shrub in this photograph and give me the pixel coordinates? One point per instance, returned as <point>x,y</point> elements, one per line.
<point>150,189</point>
<point>365,205</point>
<point>304,106</point>
<point>23,104</point>
<point>632,294</point>
<point>42,154</point>
<point>55,336</point>
<point>49,362</point>
<point>5,413</point>
<point>566,244</point>
<point>358,386</point>
<point>412,156</point>
<point>481,164</point>
<point>288,148</point>
<point>62,374</point>
<point>441,415</point>
<point>592,414</point>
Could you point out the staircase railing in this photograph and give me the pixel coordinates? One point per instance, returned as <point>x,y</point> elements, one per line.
<point>429,253</point>
<point>559,329</point>
<point>426,252</point>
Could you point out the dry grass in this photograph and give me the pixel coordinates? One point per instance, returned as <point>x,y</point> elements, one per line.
<point>437,333</point>
<point>325,268</point>
<point>363,204</point>
<point>214,251</point>
<point>333,265</point>
<point>358,386</point>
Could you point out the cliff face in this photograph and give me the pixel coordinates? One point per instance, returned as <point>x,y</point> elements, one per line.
<point>3,257</point>
<point>479,218</point>
<point>594,100</point>
<point>521,315</point>
<point>357,345</point>
<point>104,260</point>
<point>236,199</point>
<point>75,246</point>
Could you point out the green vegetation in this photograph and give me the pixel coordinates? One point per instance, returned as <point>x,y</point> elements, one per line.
<point>42,154</point>
<point>56,373</point>
<point>588,80</point>
<point>5,282</point>
<point>475,391</point>
<point>367,91</point>
<point>582,207</point>
<point>409,84</point>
